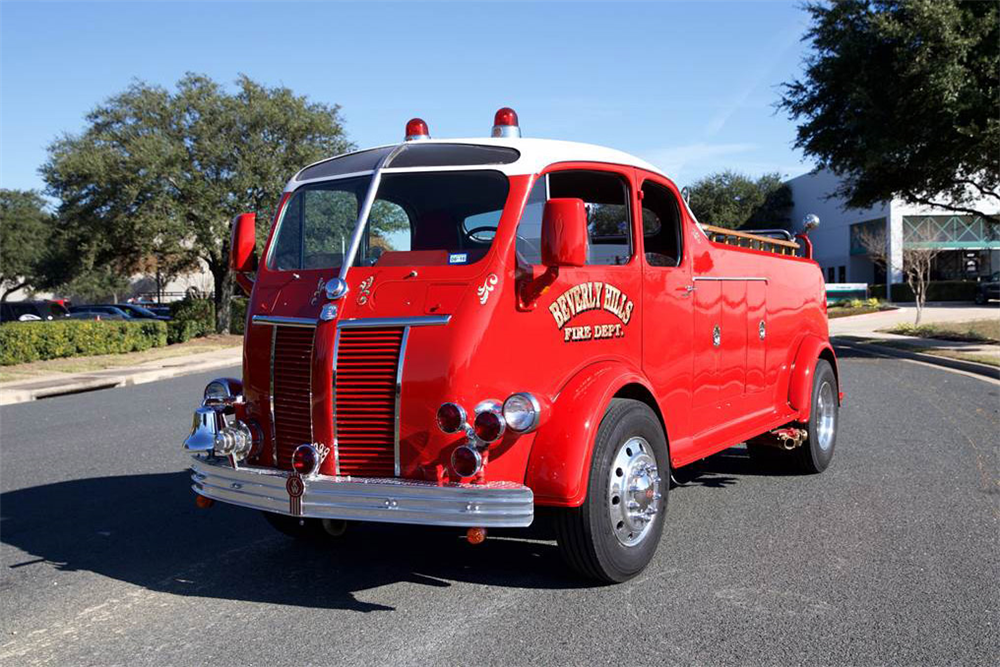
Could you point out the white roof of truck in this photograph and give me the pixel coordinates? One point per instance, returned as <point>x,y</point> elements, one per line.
<point>535,155</point>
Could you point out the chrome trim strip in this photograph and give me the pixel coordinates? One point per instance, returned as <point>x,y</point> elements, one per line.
<point>276,320</point>
<point>393,500</point>
<point>333,405</point>
<point>416,321</point>
<point>741,278</point>
<point>270,401</point>
<point>366,206</point>
<point>312,357</point>
<point>399,391</point>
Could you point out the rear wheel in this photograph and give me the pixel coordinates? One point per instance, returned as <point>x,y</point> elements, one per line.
<point>815,454</point>
<point>614,534</point>
<point>310,530</point>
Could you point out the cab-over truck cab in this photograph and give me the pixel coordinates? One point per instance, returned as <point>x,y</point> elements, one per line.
<point>455,332</point>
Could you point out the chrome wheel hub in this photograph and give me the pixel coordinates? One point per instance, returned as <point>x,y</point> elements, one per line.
<point>826,421</point>
<point>633,491</point>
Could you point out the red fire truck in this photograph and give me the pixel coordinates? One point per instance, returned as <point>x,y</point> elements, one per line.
<point>456,332</point>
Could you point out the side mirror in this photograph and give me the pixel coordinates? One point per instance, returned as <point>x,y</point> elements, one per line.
<point>809,223</point>
<point>243,242</point>
<point>564,233</point>
<point>242,249</point>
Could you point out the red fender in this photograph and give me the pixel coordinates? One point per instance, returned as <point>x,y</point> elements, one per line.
<point>801,382</point>
<point>559,463</point>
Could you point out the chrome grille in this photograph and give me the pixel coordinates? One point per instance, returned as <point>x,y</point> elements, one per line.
<point>366,400</point>
<point>291,390</point>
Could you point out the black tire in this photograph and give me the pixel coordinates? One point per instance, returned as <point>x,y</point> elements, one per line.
<point>309,530</point>
<point>586,536</point>
<point>815,454</point>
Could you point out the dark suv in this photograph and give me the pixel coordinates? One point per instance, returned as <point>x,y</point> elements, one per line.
<point>989,289</point>
<point>31,311</point>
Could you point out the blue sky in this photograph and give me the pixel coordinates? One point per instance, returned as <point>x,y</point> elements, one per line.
<point>687,86</point>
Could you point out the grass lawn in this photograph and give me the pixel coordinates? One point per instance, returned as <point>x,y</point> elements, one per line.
<point>833,312</point>
<point>974,331</point>
<point>85,364</point>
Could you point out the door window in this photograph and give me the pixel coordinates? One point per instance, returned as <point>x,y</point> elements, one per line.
<point>605,196</point>
<point>661,225</point>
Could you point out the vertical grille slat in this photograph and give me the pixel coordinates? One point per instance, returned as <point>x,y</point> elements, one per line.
<point>365,399</point>
<point>292,374</point>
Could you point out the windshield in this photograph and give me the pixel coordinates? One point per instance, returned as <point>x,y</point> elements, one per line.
<point>417,219</point>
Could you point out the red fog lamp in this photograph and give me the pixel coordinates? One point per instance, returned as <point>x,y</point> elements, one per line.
<point>522,412</point>
<point>306,460</point>
<point>466,461</point>
<point>505,124</point>
<point>451,417</point>
<point>416,130</point>
<point>489,424</point>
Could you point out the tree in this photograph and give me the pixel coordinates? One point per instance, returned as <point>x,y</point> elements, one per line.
<point>25,227</point>
<point>734,200</point>
<point>901,98</point>
<point>919,252</point>
<point>162,173</point>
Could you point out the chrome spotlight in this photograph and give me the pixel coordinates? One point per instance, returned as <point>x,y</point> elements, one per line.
<point>207,424</point>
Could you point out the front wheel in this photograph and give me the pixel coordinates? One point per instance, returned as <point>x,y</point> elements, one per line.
<point>614,534</point>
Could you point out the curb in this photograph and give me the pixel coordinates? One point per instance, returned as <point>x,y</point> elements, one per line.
<point>110,379</point>
<point>984,370</point>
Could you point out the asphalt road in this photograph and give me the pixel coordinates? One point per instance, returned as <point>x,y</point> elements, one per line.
<point>889,557</point>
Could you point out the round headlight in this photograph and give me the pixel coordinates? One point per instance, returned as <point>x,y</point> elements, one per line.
<point>522,411</point>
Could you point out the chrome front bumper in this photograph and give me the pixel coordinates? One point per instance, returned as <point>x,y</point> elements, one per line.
<point>496,504</point>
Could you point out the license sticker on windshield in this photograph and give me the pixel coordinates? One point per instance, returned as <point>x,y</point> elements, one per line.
<point>458,258</point>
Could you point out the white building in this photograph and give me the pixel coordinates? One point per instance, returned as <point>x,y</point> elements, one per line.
<point>971,248</point>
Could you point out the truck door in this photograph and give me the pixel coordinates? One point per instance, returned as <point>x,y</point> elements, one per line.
<point>667,295</point>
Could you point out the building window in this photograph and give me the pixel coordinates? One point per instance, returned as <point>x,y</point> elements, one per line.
<point>842,274</point>
<point>830,277</point>
<point>875,230</point>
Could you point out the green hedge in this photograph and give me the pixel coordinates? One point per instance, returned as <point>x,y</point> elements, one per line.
<point>21,342</point>
<point>194,318</point>
<point>942,290</point>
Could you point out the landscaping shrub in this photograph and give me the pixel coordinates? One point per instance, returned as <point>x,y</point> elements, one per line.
<point>942,290</point>
<point>21,342</point>
<point>194,318</point>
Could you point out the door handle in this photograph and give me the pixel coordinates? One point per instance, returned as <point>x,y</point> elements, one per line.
<point>687,289</point>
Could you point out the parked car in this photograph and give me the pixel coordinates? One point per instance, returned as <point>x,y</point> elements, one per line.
<point>31,311</point>
<point>101,309</point>
<point>93,315</point>
<point>137,312</point>
<point>125,311</point>
<point>989,289</point>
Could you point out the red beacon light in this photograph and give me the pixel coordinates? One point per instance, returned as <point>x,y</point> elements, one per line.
<point>505,124</point>
<point>416,130</point>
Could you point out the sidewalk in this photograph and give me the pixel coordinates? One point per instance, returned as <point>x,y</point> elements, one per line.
<point>866,325</point>
<point>56,384</point>
<point>978,358</point>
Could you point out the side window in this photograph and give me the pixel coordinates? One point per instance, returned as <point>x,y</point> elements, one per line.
<point>606,197</point>
<point>661,225</point>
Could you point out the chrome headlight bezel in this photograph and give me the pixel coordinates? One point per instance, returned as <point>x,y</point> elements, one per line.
<point>222,392</point>
<point>522,403</point>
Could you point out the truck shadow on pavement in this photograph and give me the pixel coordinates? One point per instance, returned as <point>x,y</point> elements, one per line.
<point>145,530</point>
